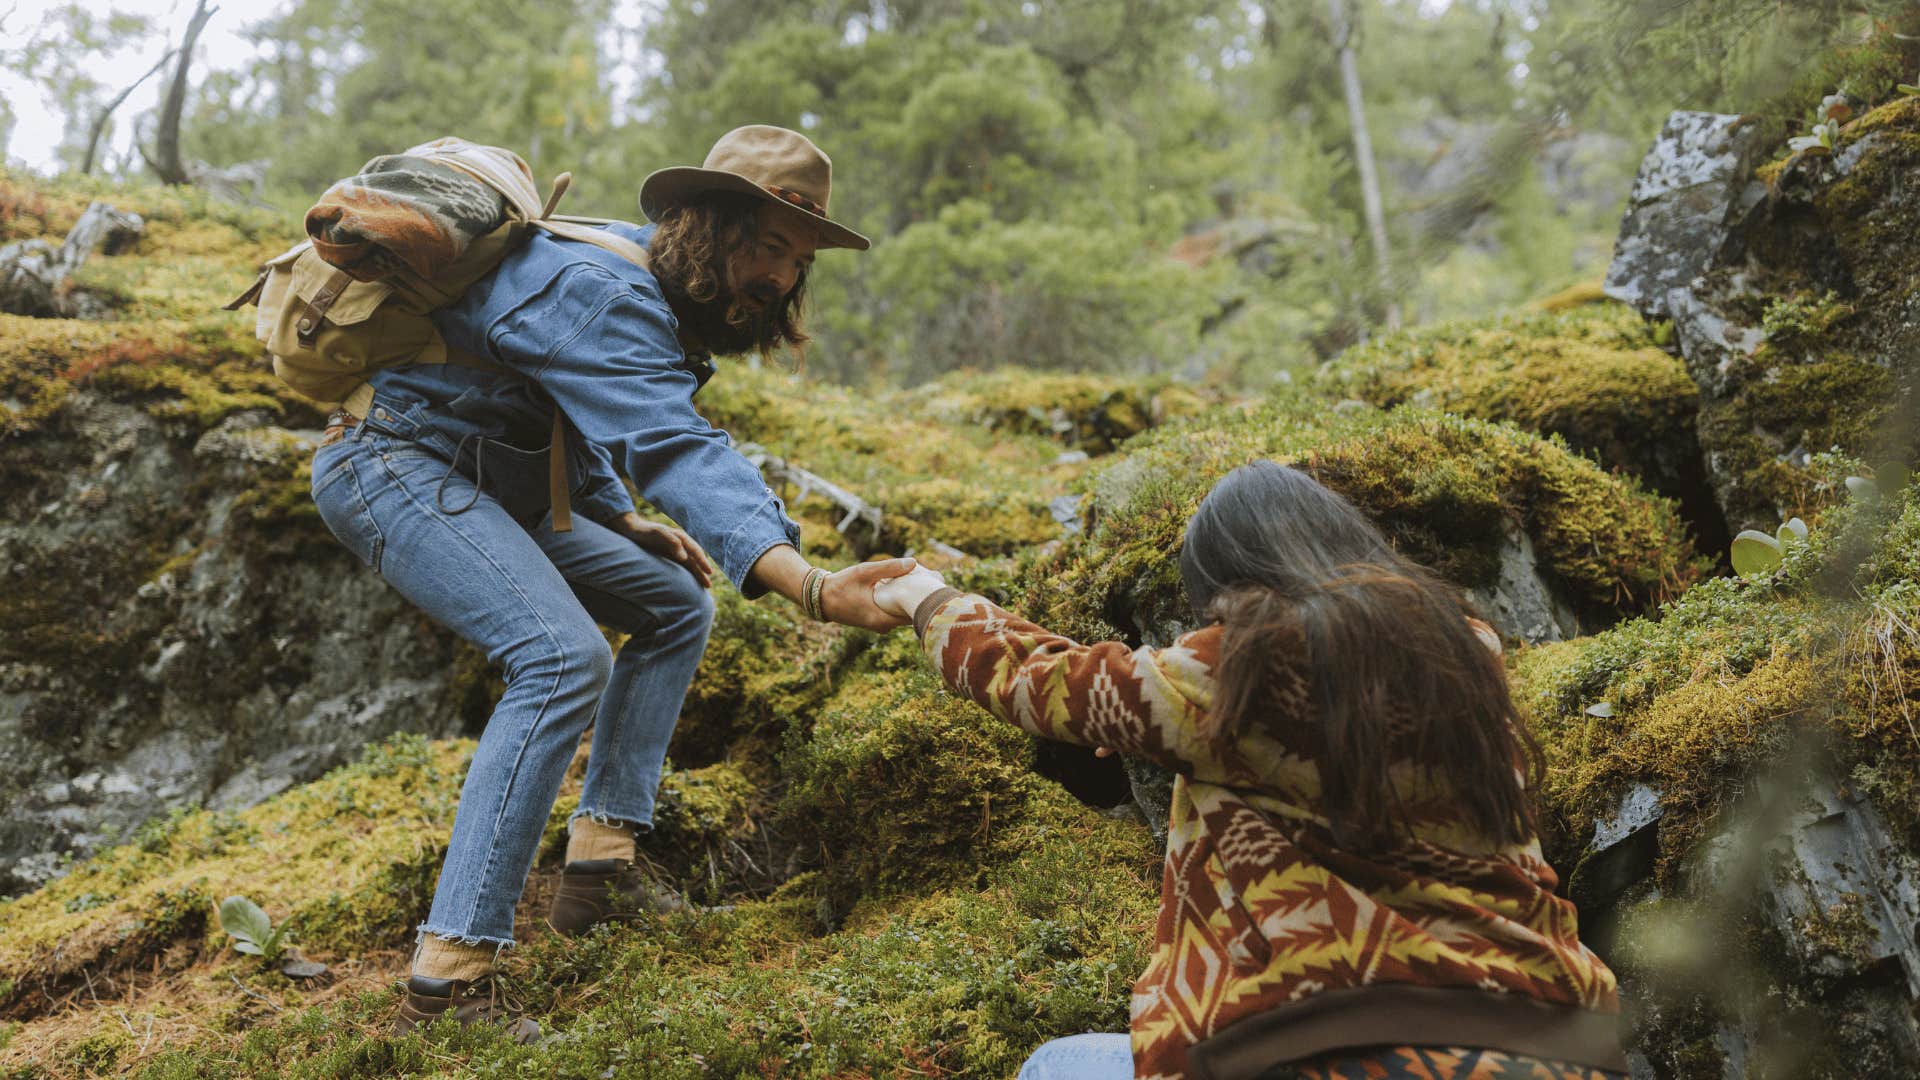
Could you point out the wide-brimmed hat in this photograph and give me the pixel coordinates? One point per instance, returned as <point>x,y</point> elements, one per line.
<point>769,162</point>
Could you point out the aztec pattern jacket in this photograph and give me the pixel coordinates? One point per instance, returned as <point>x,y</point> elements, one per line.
<point>1273,944</point>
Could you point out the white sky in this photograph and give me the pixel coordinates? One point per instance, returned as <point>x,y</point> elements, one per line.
<point>37,126</point>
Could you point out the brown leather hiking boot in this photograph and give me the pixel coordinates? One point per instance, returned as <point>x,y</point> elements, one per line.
<point>594,891</point>
<point>476,1002</point>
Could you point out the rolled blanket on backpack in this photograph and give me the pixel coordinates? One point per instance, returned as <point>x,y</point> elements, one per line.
<point>402,212</point>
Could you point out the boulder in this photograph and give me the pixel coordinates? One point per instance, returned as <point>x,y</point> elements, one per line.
<point>182,632</point>
<point>1691,186</point>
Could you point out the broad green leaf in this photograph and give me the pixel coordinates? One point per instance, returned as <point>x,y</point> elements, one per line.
<point>243,919</point>
<point>1755,553</point>
<point>1908,89</point>
<point>248,947</point>
<point>1862,488</point>
<point>1890,476</point>
<point>1600,708</point>
<point>1791,531</point>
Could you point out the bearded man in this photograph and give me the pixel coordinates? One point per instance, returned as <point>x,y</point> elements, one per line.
<point>442,488</point>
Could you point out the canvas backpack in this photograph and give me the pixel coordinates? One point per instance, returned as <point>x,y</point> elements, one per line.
<point>327,331</point>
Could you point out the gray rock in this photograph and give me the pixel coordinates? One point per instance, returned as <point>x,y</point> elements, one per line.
<point>1521,603</point>
<point>1692,185</point>
<point>172,650</point>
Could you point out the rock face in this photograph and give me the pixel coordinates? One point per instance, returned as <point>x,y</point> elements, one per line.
<point>1682,207</point>
<point>180,631</point>
<point>1791,294</point>
<point>1804,861</point>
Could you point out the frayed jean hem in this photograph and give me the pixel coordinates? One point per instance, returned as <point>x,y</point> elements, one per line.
<point>499,944</point>
<point>601,817</point>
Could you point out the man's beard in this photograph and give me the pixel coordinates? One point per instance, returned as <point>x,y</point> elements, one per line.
<point>728,324</point>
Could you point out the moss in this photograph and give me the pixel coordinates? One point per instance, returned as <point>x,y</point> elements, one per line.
<point>1590,374</point>
<point>1090,412</point>
<point>1442,487</point>
<point>348,858</point>
<point>934,479</point>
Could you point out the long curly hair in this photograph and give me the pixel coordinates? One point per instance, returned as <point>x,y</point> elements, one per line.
<point>694,249</point>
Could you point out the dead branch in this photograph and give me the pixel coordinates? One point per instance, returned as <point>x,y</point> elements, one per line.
<point>808,483</point>
<point>36,278</point>
<point>100,120</point>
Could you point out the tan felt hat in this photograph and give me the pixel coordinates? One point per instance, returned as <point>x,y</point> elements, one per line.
<point>771,162</point>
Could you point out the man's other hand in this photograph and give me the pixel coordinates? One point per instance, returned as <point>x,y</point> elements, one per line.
<point>668,543</point>
<point>847,596</point>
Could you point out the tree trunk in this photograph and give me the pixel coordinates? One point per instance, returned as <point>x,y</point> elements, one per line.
<point>100,121</point>
<point>1363,158</point>
<point>165,159</point>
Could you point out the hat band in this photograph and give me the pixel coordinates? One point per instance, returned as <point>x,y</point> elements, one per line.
<point>797,199</point>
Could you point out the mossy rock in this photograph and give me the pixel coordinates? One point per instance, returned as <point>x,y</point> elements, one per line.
<point>350,859</point>
<point>984,492</point>
<point>1588,372</point>
<point>1442,487</point>
<point>1095,413</point>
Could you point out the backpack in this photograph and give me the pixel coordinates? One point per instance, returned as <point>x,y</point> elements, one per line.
<point>327,326</point>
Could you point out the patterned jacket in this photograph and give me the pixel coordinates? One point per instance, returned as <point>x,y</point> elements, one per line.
<point>1273,944</point>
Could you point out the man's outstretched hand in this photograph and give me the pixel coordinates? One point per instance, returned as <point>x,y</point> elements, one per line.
<point>847,596</point>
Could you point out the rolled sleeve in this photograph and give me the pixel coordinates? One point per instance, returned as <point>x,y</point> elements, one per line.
<point>605,349</point>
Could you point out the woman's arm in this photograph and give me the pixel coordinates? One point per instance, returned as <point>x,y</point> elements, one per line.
<point>1145,702</point>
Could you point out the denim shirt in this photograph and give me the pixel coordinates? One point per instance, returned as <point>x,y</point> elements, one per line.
<point>590,331</point>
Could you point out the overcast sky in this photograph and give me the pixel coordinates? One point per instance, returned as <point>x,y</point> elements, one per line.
<point>37,124</point>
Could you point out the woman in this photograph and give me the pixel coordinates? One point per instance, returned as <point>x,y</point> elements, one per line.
<point>1353,884</point>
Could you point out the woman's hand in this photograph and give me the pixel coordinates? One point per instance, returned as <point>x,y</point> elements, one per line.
<point>668,543</point>
<point>901,596</point>
<point>849,596</point>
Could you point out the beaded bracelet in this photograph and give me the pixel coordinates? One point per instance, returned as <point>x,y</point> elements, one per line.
<point>812,593</point>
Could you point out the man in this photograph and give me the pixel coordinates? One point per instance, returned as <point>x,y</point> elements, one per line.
<point>442,488</point>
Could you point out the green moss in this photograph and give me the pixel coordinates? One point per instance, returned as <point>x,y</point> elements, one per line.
<point>1590,374</point>
<point>1442,487</point>
<point>348,858</point>
<point>1091,412</point>
<point>934,479</point>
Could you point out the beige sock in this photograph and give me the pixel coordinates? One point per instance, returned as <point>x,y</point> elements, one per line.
<point>437,959</point>
<point>588,839</point>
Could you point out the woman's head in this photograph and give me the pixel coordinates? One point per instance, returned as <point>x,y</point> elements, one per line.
<point>1303,583</point>
<point>1272,525</point>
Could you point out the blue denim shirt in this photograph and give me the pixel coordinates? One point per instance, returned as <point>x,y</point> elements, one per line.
<point>590,331</point>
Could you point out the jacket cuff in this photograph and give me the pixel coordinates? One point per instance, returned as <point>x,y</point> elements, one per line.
<point>930,607</point>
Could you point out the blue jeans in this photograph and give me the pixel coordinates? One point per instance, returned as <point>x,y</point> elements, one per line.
<point>529,597</point>
<point>1082,1057</point>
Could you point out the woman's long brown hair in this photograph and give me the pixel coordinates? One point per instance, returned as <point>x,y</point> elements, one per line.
<point>1303,583</point>
<point>691,249</point>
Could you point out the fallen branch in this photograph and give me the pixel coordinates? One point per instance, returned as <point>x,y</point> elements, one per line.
<point>808,483</point>
<point>36,277</point>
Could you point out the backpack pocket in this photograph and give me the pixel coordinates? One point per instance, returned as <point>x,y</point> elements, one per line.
<point>327,332</point>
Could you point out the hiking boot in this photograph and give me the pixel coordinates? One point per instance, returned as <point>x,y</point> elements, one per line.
<point>594,891</point>
<point>476,1002</point>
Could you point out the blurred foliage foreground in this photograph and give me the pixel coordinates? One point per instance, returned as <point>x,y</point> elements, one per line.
<point>890,883</point>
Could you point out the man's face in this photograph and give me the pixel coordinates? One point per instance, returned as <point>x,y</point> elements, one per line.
<point>771,266</point>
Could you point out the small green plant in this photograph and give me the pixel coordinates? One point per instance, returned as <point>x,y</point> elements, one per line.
<point>1820,138</point>
<point>253,933</point>
<point>1755,553</point>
